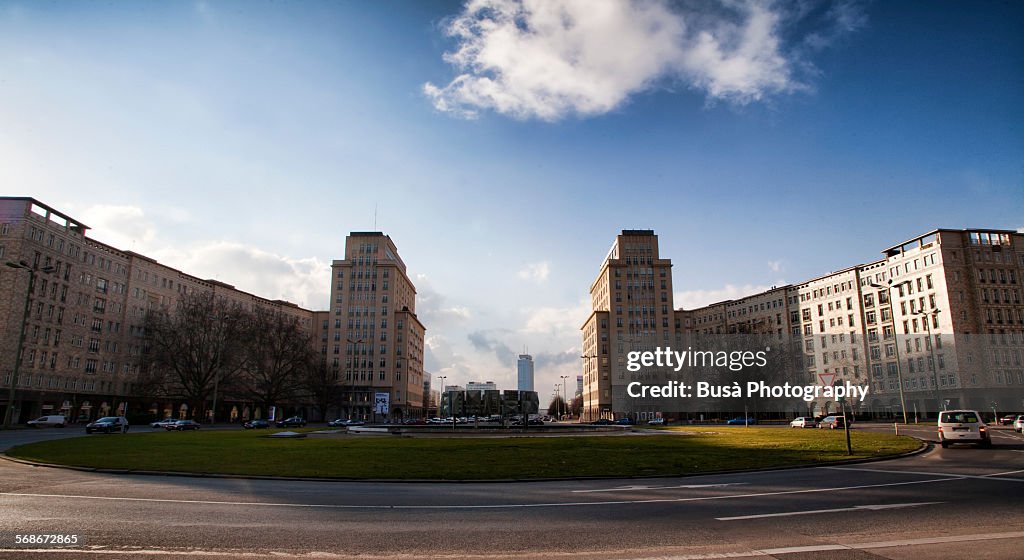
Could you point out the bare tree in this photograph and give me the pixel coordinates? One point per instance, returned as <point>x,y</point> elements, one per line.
<point>193,348</point>
<point>321,385</point>
<point>279,354</point>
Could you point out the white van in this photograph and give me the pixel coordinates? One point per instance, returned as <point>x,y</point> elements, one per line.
<point>963,426</point>
<point>44,421</point>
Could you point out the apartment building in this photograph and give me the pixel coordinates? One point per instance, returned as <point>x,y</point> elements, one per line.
<point>87,302</point>
<point>936,323</point>
<point>375,338</point>
<point>631,301</point>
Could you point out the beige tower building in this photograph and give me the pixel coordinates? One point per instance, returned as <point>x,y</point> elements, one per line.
<point>374,339</point>
<point>631,302</point>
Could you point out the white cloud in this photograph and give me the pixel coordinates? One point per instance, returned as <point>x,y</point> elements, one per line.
<point>557,322</point>
<point>124,227</point>
<point>433,307</point>
<point>692,299</point>
<point>775,266</point>
<point>306,282</point>
<point>535,272</point>
<point>547,59</point>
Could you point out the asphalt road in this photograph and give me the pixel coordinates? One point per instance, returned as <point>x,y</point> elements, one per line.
<point>947,503</point>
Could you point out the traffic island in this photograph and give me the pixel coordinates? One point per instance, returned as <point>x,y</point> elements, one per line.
<point>346,457</point>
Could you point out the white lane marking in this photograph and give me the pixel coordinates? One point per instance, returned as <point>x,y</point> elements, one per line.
<point>768,552</point>
<point>487,506</point>
<point>894,544</point>
<point>1002,473</point>
<point>642,487</point>
<point>876,507</point>
<point>925,473</point>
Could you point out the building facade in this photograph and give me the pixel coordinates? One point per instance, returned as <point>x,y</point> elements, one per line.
<point>87,302</point>
<point>937,323</point>
<point>374,336</point>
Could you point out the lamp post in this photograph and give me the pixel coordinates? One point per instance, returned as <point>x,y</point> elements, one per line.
<point>440,394</point>
<point>931,348</point>
<point>9,413</point>
<point>896,341</point>
<point>565,393</point>
<point>558,404</point>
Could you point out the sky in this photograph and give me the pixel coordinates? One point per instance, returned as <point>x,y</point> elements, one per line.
<point>503,144</point>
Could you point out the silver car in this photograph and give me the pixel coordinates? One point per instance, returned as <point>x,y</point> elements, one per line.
<point>803,422</point>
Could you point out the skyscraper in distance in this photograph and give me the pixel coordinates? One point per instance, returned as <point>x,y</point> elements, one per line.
<point>525,368</point>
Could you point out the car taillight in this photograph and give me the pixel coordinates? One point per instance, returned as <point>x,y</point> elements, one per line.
<point>982,429</point>
<point>940,429</point>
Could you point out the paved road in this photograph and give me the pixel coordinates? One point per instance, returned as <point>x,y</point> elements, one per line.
<point>948,503</point>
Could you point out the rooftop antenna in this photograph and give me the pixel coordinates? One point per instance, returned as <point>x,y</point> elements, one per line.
<point>374,216</point>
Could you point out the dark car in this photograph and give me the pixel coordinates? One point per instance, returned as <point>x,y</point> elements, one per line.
<point>741,421</point>
<point>182,425</point>
<point>108,425</point>
<point>602,422</point>
<point>624,421</point>
<point>293,422</point>
<point>256,424</point>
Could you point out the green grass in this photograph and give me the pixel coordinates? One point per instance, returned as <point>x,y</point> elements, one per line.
<point>249,453</point>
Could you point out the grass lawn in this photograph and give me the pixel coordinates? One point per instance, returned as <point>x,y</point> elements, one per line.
<point>694,450</point>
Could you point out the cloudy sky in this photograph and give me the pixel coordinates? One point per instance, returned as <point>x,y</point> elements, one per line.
<point>502,144</point>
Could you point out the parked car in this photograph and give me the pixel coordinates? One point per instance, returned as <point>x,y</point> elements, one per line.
<point>108,425</point>
<point>625,421</point>
<point>256,424</point>
<point>803,422</point>
<point>48,421</point>
<point>1008,419</point>
<point>293,422</point>
<point>741,421</point>
<point>656,422</point>
<point>832,422</point>
<point>343,422</point>
<point>1018,424</point>
<point>182,425</point>
<point>163,423</point>
<point>602,422</point>
<point>963,426</point>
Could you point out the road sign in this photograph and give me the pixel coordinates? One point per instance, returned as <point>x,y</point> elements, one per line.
<point>827,379</point>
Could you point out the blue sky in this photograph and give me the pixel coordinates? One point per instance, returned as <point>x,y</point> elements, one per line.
<point>504,144</point>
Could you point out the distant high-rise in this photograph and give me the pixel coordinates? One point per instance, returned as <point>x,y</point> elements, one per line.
<point>525,368</point>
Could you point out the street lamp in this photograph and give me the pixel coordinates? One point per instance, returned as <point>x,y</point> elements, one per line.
<point>896,342</point>
<point>558,404</point>
<point>440,394</point>
<point>9,413</point>
<point>931,347</point>
<point>565,392</point>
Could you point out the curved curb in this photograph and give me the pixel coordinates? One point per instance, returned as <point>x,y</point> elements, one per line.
<point>921,449</point>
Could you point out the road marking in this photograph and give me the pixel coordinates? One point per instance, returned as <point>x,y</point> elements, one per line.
<point>877,507</point>
<point>925,473</point>
<point>641,487</point>
<point>1002,473</point>
<point>488,506</point>
<point>893,544</point>
<point>763,553</point>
